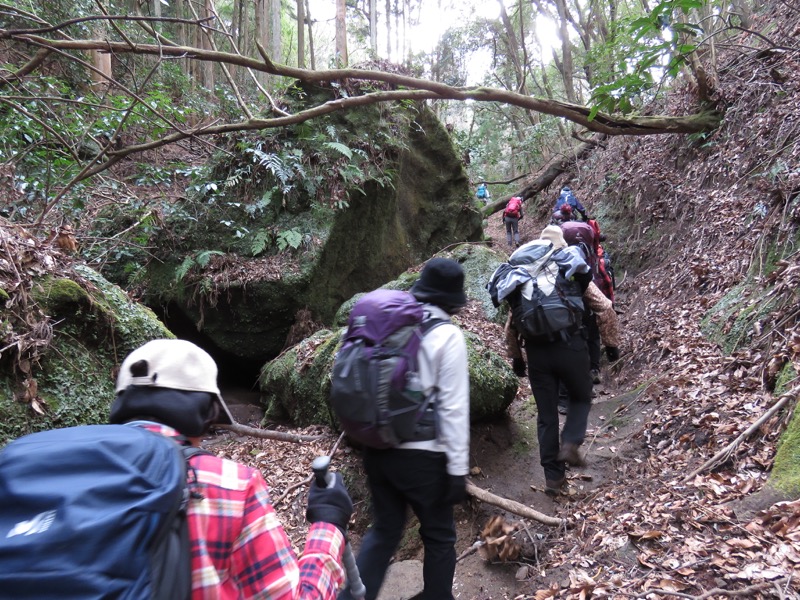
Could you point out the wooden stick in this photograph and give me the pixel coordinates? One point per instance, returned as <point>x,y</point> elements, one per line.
<point>512,506</point>
<point>269,434</point>
<point>723,454</point>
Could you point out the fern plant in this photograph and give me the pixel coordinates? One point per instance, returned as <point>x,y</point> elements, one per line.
<point>198,259</point>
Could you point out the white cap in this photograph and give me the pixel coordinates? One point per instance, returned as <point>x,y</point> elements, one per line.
<point>174,364</point>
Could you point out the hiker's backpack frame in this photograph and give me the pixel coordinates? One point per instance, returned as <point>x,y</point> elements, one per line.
<point>96,511</point>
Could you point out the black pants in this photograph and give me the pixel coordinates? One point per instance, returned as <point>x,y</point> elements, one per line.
<point>590,322</point>
<point>550,364</point>
<point>399,479</point>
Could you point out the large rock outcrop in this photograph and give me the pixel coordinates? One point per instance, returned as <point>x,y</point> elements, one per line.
<point>234,276</point>
<point>296,384</point>
<point>65,330</point>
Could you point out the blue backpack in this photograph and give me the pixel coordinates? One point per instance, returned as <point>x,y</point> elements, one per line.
<point>94,512</point>
<point>375,388</point>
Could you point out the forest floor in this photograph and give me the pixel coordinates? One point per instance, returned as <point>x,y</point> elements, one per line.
<point>634,526</point>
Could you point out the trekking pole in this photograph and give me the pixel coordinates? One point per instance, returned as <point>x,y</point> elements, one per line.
<point>324,479</point>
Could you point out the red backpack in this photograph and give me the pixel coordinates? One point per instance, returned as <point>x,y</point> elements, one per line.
<point>513,208</point>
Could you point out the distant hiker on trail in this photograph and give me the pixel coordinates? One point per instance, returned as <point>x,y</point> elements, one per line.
<point>512,214</point>
<point>483,193</point>
<point>562,215</point>
<point>238,547</point>
<point>567,196</point>
<point>429,476</point>
<point>544,282</point>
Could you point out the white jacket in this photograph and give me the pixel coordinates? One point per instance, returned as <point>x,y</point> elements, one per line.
<point>443,363</point>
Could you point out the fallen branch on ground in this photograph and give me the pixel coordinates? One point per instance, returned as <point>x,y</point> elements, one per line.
<point>724,454</point>
<point>269,434</point>
<point>512,506</point>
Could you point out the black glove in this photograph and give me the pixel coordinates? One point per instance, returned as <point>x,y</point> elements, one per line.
<point>612,353</point>
<point>456,491</point>
<point>518,364</point>
<point>330,504</point>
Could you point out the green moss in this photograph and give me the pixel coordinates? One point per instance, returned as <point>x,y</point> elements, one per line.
<point>300,392</point>
<point>74,381</point>
<point>492,383</point>
<point>132,323</point>
<point>786,377</point>
<point>59,296</point>
<point>786,468</point>
<point>99,326</point>
<point>3,296</point>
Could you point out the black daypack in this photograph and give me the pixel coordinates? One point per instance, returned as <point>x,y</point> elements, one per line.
<point>95,512</point>
<point>375,388</point>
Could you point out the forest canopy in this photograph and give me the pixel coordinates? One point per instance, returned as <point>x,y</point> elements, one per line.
<point>85,85</point>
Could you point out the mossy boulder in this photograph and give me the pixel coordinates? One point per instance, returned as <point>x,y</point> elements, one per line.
<point>95,325</point>
<point>296,385</point>
<point>229,276</point>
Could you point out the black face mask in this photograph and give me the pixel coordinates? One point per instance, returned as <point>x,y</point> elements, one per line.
<point>190,413</point>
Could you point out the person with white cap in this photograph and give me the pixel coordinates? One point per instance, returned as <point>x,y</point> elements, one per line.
<point>238,547</point>
<point>428,476</point>
<point>562,359</point>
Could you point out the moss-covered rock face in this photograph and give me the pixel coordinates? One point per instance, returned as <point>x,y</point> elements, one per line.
<point>244,295</point>
<point>96,326</point>
<point>296,385</point>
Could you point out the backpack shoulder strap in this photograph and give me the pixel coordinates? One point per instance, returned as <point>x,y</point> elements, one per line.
<point>432,323</point>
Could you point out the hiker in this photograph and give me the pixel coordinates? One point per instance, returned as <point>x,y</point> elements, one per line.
<point>429,476</point>
<point>559,353</point>
<point>512,214</point>
<point>483,193</point>
<point>562,215</point>
<point>238,547</point>
<point>568,197</point>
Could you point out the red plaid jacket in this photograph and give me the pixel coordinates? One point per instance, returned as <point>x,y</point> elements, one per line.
<point>239,548</point>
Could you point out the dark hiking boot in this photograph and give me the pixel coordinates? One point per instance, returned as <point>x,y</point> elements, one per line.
<point>570,455</point>
<point>554,487</point>
<point>596,376</point>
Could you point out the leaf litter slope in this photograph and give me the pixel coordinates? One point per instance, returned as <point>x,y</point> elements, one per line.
<point>641,523</point>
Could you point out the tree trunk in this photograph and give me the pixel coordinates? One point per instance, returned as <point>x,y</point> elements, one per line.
<point>101,61</point>
<point>388,29</point>
<point>261,34</point>
<point>275,45</point>
<point>312,60</point>
<point>566,51</point>
<point>341,33</point>
<point>301,34</point>
<point>373,27</point>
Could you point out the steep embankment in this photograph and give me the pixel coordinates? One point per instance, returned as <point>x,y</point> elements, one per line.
<point>704,231</point>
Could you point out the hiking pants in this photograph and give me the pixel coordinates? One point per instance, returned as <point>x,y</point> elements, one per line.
<point>590,322</point>
<point>399,478</point>
<point>551,363</point>
<point>512,225</point>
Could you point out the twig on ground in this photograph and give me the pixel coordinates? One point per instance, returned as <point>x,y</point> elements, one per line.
<point>512,506</point>
<point>269,434</point>
<point>723,455</point>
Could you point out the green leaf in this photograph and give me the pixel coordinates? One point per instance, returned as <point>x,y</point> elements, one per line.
<point>341,148</point>
<point>204,257</point>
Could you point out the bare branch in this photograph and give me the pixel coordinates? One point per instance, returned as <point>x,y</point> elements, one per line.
<point>27,68</point>
<point>601,123</point>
